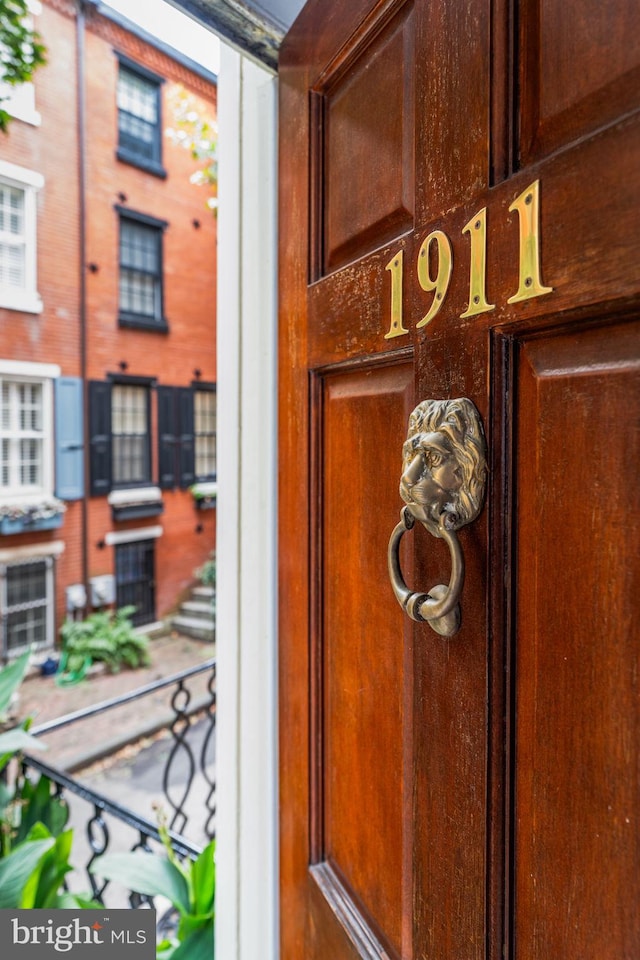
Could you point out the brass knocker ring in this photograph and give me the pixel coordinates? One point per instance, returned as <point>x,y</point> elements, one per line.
<point>443,483</point>
<point>440,608</point>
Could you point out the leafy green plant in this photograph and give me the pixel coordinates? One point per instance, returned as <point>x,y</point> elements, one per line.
<point>206,574</point>
<point>14,736</point>
<point>190,887</point>
<point>34,846</point>
<point>104,636</point>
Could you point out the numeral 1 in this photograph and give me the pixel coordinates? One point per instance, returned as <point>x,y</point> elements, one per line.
<point>527,206</point>
<point>477,230</point>
<point>395,267</point>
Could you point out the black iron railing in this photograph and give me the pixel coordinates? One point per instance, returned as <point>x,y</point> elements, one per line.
<point>104,818</point>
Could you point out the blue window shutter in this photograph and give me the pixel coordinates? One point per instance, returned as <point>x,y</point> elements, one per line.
<point>69,438</point>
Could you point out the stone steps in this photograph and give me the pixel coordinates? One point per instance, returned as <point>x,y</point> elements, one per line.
<point>196,616</point>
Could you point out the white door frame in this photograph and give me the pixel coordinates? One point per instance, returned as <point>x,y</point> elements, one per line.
<point>246,647</point>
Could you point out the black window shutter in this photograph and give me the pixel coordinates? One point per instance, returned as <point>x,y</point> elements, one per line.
<point>186,456</point>
<point>99,437</point>
<point>167,437</point>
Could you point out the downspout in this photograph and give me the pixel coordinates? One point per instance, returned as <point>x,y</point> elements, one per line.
<point>82,239</point>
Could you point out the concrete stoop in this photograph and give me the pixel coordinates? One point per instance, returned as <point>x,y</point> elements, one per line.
<point>196,617</point>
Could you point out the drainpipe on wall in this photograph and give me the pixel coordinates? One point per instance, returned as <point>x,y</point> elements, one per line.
<point>80,119</point>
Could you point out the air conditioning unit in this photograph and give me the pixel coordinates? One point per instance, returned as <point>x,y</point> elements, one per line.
<point>103,590</point>
<point>76,597</point>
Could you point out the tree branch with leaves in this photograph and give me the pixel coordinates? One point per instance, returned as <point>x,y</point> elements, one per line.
<point>198,134</point>
<point>21,50</point>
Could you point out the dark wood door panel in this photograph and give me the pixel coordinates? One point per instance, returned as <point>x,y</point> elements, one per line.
<point>580,70</point>
<point>363,672</point>
<point>577,728</point>
<point>367,144</point>
<point>586,256</point>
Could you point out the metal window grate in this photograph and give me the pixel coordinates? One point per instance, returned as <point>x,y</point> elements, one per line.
<point>27,595</point>
<point>135,579</point>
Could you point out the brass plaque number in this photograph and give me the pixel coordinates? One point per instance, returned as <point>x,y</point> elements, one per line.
<point>527,206</point>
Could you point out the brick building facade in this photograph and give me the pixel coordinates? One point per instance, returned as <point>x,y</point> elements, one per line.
<point>107,310</point>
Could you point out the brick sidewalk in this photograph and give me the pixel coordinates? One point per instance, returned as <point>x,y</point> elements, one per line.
<point>79,743</point>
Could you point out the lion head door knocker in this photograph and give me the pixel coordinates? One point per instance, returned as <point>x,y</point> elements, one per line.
<point>443,483</point>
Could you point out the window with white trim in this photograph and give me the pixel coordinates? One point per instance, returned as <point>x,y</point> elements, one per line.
<point>18,238</point>
<point>27,607</point>
<point>25,441</point>
<point>19,101</point>
<point>26,431</point>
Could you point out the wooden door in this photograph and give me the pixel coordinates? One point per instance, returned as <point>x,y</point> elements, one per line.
<point>477,796</point>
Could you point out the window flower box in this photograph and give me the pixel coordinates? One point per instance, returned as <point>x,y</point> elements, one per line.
<point>26,517</point>
<point>135,503</point>
<point>204,495</point>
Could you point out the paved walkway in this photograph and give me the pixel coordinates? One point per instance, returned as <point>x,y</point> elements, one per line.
<point>85,741</point>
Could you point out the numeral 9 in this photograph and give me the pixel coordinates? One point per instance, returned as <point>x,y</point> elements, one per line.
<point>440,283</point>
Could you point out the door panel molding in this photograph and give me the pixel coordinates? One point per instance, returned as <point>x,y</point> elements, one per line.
<point>571,90</point>
<point>349,915</point>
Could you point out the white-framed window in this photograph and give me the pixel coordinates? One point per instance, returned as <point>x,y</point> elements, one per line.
<point>26,431</point>
<point>18,238</point>
<point>27,598</point>
<point>20,101</point>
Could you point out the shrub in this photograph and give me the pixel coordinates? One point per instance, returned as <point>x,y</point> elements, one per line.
<point>104,636</point>
<point>206,574</point>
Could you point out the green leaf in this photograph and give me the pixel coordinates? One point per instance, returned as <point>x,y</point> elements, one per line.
<point>191,923</point>
<point>16,869</point>
<point>18,739</point>
<point>203,880</point>
<point>37,804</point>
<point>41,889</point>
<point>75,901</point>
<point>198,946</point>
<point>10,679</point>
<point>145,873</point>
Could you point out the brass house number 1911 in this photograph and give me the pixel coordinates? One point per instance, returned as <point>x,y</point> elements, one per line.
<point>527,206</point>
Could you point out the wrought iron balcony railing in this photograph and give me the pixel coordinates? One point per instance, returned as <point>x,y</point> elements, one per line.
<point>187,768</point>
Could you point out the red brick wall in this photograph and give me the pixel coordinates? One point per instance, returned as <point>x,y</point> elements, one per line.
<point>52,336</point>
<point>189,288</point>
<point>189,271</point>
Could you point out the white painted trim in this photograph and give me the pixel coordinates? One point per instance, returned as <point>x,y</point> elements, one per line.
<point>43,373</point>
<point>22,176</point>
<point>247,801</point>
<point>24,368</point>
<point>50,548</point>
<point>26,297</point>
<point>114,537</point>
<point>134,495</point>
